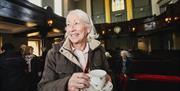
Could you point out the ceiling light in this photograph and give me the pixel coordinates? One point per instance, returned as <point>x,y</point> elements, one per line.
<point>31,24</point>
<point>176,18</point>
<point>133,29</point>
<point>117,29</point>
<point>56,30</point>
<point>103,32</point>
<point>50,22</point>
<point>33,34</point>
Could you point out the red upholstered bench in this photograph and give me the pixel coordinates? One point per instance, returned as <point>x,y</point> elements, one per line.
<point>149,82</point>
<point>166,78</point>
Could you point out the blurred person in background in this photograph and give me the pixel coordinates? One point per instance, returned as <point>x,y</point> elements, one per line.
<point>34,67</point>
<point>13,71</point>
<point>22,48</point>
<point>125,58</point>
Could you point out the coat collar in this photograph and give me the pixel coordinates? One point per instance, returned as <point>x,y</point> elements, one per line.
<point>66,49</point>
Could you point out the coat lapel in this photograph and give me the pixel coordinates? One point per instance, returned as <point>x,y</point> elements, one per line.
<point>66,50</point>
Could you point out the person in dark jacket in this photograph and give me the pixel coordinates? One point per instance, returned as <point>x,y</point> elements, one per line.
<point>68,63</point>
<point>34,67</point>
<point>126,58</point>
<point>12,70</point>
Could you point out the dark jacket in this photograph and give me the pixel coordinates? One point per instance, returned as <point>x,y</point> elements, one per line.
<point>61,63</point>
<point>125,65</point>
<point>34,75</point>
<point>13,76</point>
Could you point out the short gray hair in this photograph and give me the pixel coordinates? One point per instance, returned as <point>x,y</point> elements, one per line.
<point>85,18</point>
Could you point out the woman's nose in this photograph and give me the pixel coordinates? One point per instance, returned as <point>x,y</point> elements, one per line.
<point>71,29</point>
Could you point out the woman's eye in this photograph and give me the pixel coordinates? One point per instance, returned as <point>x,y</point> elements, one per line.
<point>76,23</point>
<point>67,24</point>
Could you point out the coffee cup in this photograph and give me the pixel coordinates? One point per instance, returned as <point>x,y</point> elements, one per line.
<point>97,78</point>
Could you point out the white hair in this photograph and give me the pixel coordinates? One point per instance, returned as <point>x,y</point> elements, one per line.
<point>87,19</point>
<point>125,53</point>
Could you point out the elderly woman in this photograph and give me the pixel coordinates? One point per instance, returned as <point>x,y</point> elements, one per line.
<point>68,63</point>
<point>126,57</point>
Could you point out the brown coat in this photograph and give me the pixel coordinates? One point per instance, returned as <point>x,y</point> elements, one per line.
<point>61,63</point>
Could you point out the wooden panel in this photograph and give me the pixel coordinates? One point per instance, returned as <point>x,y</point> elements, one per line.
<point>98,11</point>
<point>141,8</point>
<point>141,3</point>
<point>141,12</point>
<point>119,16</point>
<point>25,12</point>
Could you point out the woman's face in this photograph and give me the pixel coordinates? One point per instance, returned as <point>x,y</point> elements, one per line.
<point>31,51</point>
<point>76,29</point>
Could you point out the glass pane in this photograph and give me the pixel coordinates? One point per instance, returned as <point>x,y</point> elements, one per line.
<point>35,45</point>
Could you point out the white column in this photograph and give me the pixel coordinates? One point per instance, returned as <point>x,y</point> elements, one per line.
<point>155,7</point>
<point>65,7</point>
<point>88,7</point>
<point>36,2</point>
<point>58,7</point>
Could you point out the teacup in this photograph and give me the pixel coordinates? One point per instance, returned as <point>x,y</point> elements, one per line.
<point>97,78</point>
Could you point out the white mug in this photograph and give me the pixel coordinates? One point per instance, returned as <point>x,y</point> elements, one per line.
<point>97,78</point>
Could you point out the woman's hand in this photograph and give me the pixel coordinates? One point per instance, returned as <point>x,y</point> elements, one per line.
<point>78,81</point>
<point>108,78</point>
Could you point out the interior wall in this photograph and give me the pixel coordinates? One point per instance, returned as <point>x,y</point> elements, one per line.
<point>162,41</point>
<point>65,7</point>
<point>120,15</point>
<point>156,42</point>
<point>155,7</point>
<point>0,40</point>
<point>176,41</point>
<point>141,8</point>
<point>71,5</point>
<point>117,43</point>
<point>36,2</point>
<point>98,11</point>
<point>48,3</point>
<point>0,43</point>
<point>16,41</point>
<point>81,4</point>
<point>88,7</point>
<point>58,7</point>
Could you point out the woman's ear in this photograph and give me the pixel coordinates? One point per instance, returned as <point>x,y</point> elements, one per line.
<point>66,29</point>
<point>88,29</point>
